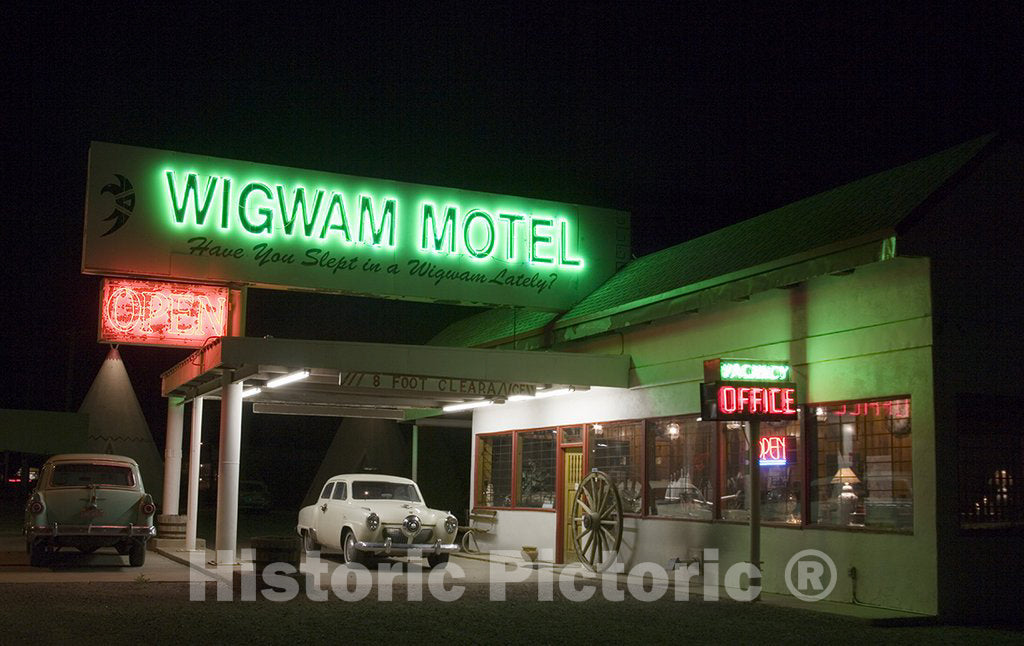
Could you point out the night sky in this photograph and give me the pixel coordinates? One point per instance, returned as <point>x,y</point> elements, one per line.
<point>689,118</point>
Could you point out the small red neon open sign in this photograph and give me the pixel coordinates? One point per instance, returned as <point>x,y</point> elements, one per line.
<point>146,312</point>
<point>773,451</point>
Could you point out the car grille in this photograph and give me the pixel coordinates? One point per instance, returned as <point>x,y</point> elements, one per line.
<point>396,535</point>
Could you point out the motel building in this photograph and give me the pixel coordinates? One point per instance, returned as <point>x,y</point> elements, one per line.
<point>839,374</point>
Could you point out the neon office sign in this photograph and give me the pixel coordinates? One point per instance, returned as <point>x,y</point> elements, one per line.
<point>163,214</point>
<point>743,390</point>
<point>146,312</point>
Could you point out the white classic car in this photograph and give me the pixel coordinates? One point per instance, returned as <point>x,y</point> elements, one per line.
<point>362,514</point>
<point>89,501</point>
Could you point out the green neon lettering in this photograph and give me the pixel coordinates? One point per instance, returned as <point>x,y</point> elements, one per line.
<point>489,246</point>
<point>536,238</point>
<point>191,188</point>
<point>447,237</point>
<point>512,219</point>
<point>225,202</point>
<point>243,208</point>
<point>299,201</point>
<point>387,218</point>
<point>336,203</point>
<point>563,253</point>
<point>753,371</point>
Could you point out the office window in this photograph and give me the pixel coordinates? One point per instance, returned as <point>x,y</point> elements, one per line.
<point>861,464</point>
<point>616,448</point>
<point>780,468</point>
<point>536,469</point>
<point>494,470</point>
<point>680,469</point>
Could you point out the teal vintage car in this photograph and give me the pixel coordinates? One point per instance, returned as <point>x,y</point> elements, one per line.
<point>89,501</point>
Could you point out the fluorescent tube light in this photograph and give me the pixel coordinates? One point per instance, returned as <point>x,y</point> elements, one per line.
<point>554,392</point>
<point>287,379</point>
<point>519,398</point>
<point>454,408</point>
<point>249,392</point>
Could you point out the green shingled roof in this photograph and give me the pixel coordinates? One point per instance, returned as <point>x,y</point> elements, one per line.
<point>500,323</point>
<point>872,204</point>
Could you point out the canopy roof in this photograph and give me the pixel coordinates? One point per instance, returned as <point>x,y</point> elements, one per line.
<point>382,380</point>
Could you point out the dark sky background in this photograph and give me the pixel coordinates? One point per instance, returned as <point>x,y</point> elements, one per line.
<point>690,118</point>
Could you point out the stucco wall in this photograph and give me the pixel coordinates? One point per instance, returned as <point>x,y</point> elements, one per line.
<point>860,335</point>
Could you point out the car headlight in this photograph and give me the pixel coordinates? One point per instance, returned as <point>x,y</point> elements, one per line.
<point>411,525</point>
<point>372,522</point>
<point>451,524</point>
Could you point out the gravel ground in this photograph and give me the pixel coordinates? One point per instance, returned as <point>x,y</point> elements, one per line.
<point>150,612</point>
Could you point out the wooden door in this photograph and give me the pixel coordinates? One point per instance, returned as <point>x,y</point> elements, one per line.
<point>572,474</point>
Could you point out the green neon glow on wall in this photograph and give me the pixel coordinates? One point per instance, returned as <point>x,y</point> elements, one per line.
<point>286,211</point>
<point>753,371</point>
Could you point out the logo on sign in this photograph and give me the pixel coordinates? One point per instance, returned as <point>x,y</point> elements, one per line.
<point>124,202</point>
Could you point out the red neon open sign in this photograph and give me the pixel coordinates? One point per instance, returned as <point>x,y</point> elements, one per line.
<point>146,312</point>
<point>772,451</point>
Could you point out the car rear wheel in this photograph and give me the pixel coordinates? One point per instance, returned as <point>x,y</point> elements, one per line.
<point>349,552</point>
<point>437,560</point>
<point>137,554</point>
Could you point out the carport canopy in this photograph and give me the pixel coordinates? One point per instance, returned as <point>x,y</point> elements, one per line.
<point>401,382</point>
<point>345,379</point>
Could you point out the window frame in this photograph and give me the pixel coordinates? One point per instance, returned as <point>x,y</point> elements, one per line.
<point>810,454</point>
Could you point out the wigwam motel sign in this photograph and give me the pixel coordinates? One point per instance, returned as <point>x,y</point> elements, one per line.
<point>160,214</point>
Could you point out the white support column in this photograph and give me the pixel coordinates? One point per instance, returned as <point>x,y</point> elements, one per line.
<point>172,455</point>
<point>195,444</point>
<point>227,469</point>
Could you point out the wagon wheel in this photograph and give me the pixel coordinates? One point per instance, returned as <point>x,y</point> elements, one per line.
<point>596,521</point>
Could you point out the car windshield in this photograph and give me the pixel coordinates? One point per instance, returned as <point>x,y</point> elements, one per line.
<point>81,475</point>
<point>374,490</point>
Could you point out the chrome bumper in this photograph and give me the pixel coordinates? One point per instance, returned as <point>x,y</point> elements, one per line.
<point>388,547</point>
<point>134,531</point>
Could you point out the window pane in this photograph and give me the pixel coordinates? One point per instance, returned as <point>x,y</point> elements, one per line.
<point>990,451</point>
<point>862,465</point>
<point>494,462</point>
<point>780,472</point>
<point>84,474</point>
<point>616,448</point>
<point>326,493</point>
<point>537,469</point>
<point>680,468</point>
<point>572,435</point>
<point>339,491</point>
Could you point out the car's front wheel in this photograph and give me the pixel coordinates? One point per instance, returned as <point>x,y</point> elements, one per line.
<point>37,555</point>
<point>437,560</point>
<point>348,548</point>
<point>137,554</point>
<point>308,542</point>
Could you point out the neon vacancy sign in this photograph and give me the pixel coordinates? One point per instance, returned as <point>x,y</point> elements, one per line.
<point>145,312</point>
<point>166,215</point>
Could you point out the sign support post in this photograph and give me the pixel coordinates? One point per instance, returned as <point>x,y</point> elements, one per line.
<point>755,503</point>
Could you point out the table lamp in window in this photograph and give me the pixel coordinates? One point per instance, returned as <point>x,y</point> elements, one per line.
<point>847,498</point>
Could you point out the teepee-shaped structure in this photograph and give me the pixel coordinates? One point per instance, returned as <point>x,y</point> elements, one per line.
<point>359,445</point>
<point>117,425</point>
